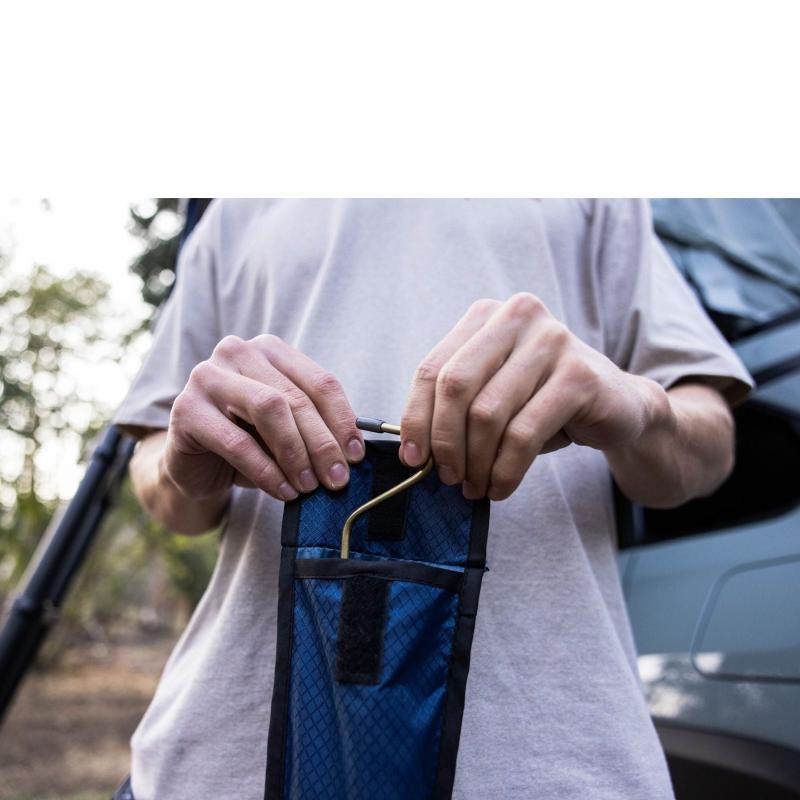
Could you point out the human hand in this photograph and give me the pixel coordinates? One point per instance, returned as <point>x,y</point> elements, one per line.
<point>260,413</point>
<point>510,382</point>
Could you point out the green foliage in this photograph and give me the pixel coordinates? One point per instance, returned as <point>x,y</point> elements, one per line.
<point>157,226</point>
<point>43,319</point>
<point>137,574</point>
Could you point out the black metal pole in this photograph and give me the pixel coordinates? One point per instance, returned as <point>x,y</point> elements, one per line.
<point>36,606</point>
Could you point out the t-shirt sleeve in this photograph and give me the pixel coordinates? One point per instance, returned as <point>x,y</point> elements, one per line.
<point>185,334</point>
<point>656,326</point>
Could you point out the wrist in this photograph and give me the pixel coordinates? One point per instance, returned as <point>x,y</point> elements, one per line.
<point>655,421</point>
<point>165,480</point>
<point>168,484</point>
<point>659,416</point>
<point>182,512</point>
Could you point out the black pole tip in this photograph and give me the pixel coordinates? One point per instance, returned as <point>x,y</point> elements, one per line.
<point>369,424</point>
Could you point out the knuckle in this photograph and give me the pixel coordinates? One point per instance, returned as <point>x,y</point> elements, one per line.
<point>296,398</point>
<point>558,335</point>
<point>267,476</point>
<point>294,452</point>
<point>519,436</point>
<point>483,412</point>
<point>235,441</point>
<point>452,381</point>
<point>323,383</point>
<point>483,306</point>
<point>524,305</point>
<point>268,402</point>
<point>229,347</point>
<point>201,374</point>
<point>411,422</point>
<point>444,453</point>
<point>181,409</point>
<point>267,341</point>
<point>427,372</point>
<point>578,373</point>
<point>327,450</point>
<point>343,426</point>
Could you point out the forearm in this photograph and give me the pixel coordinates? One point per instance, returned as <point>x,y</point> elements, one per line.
<point>163,500</point>
<point>686,451</point>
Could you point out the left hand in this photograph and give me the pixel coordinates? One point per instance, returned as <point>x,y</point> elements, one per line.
<point>510,382</point>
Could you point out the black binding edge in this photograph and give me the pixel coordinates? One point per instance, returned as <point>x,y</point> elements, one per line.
<point>279,709</point>
<point>456,689</point>
<point>409,571</point>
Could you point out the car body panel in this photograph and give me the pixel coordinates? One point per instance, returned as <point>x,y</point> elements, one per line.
<point>667,587</point>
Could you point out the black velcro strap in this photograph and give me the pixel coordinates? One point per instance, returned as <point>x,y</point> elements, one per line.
<point>387,521</point>
<point>362,621</point>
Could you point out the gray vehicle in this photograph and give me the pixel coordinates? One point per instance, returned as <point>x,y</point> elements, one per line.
<point>713,588</point>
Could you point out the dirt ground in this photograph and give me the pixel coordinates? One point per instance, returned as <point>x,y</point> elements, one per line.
<point>66,737</point>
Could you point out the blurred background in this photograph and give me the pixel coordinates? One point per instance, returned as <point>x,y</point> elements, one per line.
<point>80,281</point>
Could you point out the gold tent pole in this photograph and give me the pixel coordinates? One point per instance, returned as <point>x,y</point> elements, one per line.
<point>379,426</point>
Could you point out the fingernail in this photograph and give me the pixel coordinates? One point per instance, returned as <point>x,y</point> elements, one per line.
<point>447,475</point>
<point>494,494</point>
<point>286,491</point>
<point>355,449</point>
<point>338,475</point>
<point>469,491</point>
<point>411,453</point>
<point>308,481</point>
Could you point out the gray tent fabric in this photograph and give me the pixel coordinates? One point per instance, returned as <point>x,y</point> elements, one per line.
<point>741,256</point>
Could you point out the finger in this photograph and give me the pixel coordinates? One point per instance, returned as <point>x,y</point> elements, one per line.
<point>216,433</point>
<point>329,464</point>
<point>537,424</point>
<point>322,388</point>
<point>505,393</point>
<point>267,409</point>
<point>415,425</point>
<point>461,380</point>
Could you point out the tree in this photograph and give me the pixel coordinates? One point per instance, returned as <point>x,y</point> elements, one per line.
<point>157,225</point>
<point>43,320</point>
<point>137,572</point>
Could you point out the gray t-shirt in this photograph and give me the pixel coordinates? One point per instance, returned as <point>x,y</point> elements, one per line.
<point>554,707</point>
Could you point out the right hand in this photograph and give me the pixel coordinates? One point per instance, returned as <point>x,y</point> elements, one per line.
<point>260,413</point>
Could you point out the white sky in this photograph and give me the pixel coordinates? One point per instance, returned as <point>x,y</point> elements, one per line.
<point>88,235</point>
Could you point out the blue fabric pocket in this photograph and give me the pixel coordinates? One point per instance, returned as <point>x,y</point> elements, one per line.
<point>373,650</point>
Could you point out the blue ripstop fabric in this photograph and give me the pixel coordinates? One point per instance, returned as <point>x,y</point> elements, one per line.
<point>360,741</point>
<point>438,520</point>
<point>387,726</point>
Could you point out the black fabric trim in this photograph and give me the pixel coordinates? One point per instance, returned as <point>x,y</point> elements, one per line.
<point>387,521</point>
<point>279,708</point>
<point>478,534</point>
<point>460,654</point>
<point>454,708</point>
<point>409,571</point>
<point>362,624</point>
<point>290,526</point>
<point>279,711</point>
